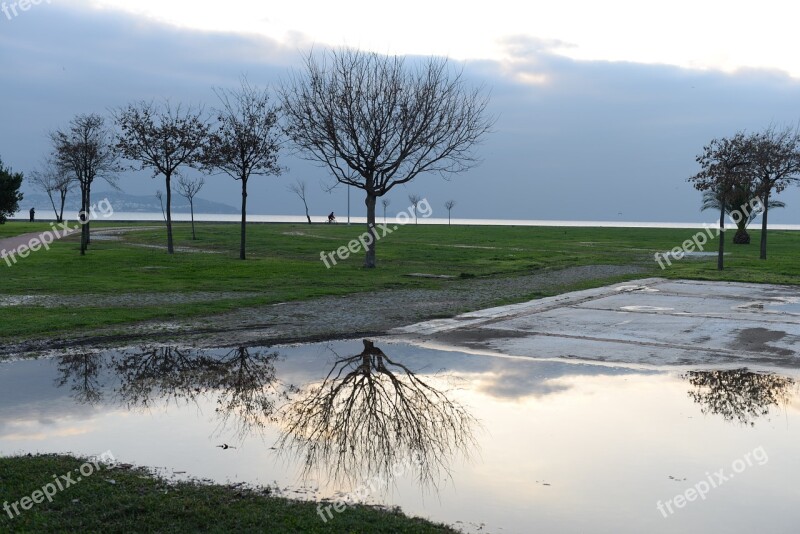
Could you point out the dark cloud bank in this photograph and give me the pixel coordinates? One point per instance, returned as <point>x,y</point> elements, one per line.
<point>585,140</point>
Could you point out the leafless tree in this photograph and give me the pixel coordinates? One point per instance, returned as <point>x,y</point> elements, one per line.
<point>52,178</point>
<point>189,187</point>
<point>299,189</point>
<point>82,371</point>
<point>246,140</point>
<point>385,202</point>
<point>739,394</point>
<point>244,383</point>
<point>160,197</point>
<point>248,389</point>
<point>775,161</point>
<point>414,199</point>
<point>725,166</point>
<point>86,151</point>
<point>449,205</point>
<point>161,138</point>
<point>376,122</point>
<point>371,413</point>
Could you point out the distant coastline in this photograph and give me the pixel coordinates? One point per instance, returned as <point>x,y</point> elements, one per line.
<point>256,218</point>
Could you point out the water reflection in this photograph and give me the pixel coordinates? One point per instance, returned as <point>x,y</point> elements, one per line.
<point>368,415</point>
<point>739,394</point>
<point>371,414</point>
<point>81,371</point>
<point>247,389</point>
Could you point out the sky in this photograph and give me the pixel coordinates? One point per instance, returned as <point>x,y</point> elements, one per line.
<point>600,107</point>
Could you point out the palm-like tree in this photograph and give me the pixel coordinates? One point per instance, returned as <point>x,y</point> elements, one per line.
<point>739,202</point>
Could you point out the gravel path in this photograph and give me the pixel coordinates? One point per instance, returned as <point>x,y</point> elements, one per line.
<point>334,317</point>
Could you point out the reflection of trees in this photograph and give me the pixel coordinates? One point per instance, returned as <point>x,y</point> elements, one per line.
<point>738,394</point>
<point>81,371</point>
<point>248,387</point>
<point>371,414</point>
<point>153,374</point>
<point>244,382</point>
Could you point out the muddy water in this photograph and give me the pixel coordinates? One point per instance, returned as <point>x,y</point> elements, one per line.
<point>485,443</point>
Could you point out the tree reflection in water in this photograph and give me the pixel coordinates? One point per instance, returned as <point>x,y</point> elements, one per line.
<point>371,414</point>
<point>244,382</point>
<point>81,370</point>
<point>739,394</point>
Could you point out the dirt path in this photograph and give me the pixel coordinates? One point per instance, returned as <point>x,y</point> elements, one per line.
<point>333,317</point>
<point>9,245</point>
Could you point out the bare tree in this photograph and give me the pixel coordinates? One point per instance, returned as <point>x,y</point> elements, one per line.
<point>51,179</point>
<point>415,200</point>
<point>161,138</point>
<point>246,141</point>
<point>739,394</point>
<point>86,150</point>
<point>160,197</point>
<point>82,371</point>
<point>385,202</point>
<point>449,205</point>
<point>299,189</point>
<point>371,413</point>
<point>244,384</point>
<point>375,122</point>
<point>775,163</point>
<point>725,166</point>
<point>189,187</point>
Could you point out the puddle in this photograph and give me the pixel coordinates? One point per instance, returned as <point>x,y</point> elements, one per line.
<point>639,289</point>
<point>488,444</point>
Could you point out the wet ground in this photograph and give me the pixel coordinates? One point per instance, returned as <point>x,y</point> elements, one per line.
<point>648,406</point>
<point>652,321</point>
<point>323,318</point>
<point>487,443</point>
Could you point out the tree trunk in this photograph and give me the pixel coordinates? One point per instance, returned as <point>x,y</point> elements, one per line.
<point>307,215</point>
<point>764,226</point>
<point>86,195</point>
<point>191,209</point>
<point>82,219</point>
<point>721,254</point>
<point>63,200</point>
<point>170,247</point>
<point>244,219</point>
<point>53,202</point>
<point>369,260</point>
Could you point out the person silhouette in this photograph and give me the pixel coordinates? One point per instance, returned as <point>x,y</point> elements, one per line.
<point>331,218</point>
<point>33,213</point>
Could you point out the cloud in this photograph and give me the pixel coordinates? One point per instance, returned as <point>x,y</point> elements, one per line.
<point>574,139</point>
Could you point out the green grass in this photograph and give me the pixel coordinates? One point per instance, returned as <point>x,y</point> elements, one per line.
<point>140,502</point>
<point>284,264</point>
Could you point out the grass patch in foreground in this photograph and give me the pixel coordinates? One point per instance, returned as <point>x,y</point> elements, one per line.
<point>137,501</point>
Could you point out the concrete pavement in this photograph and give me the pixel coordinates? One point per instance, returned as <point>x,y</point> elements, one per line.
<point>651,321</point>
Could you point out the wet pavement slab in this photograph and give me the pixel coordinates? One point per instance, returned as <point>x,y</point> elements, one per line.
<point>651,321</point>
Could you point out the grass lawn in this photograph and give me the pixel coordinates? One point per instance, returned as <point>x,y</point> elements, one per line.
<point>284,264</point>
<point>132,500</point>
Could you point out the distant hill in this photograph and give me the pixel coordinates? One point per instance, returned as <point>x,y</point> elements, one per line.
<point>123,202</point>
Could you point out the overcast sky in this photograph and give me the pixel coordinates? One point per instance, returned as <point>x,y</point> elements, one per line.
<point>601,106</point>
